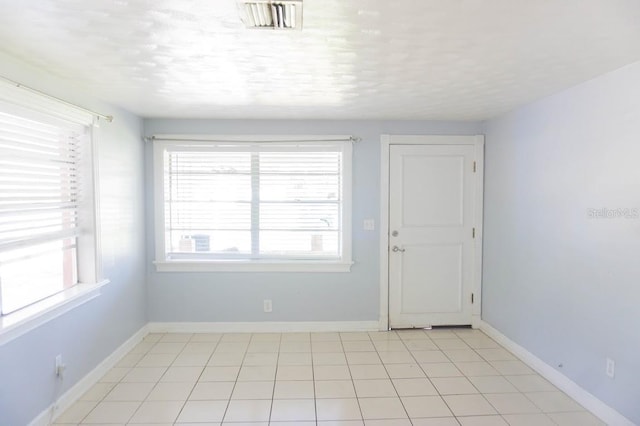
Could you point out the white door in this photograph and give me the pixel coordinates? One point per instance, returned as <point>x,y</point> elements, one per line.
<point>431,232</point>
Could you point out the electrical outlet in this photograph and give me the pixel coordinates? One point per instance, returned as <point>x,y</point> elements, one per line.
<point>611,368</point>
<point>268,306</point>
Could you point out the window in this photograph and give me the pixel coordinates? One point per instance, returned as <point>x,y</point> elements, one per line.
<point>253,205</point>
<point>47,216</point>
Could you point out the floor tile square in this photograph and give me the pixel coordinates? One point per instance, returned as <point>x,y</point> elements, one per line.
<point>453,385</point>
<point>130,392</point>
<point>335,389</point>
<point>115,374</point>
<point>404,371</point>
<point>355,336</point>
<point>144,374</point>
<point>331,372</point>
<point>528,420</point>
<point>358,346</point>
<point>236,337</point>
<point>374,388</point>
<point>294,372</point>
<point>298,389</point>
<point>390,345</point>
<point>382,408</point>
<point>396,357</point>
<point>462,355</point>
<point>263,347</point>
<point>420,345</point>
<point>157,412</point>
<point>294,358</point>
<point>206,337</point>
<point>363,358</point>
<point>429,356</point>
<point>452,343</point>
<point>581,418</point>
<point>441,369</point>
<point>493,384</point>
<point>175,337</point>
<point>553,402</point>
<point>204,391</point>
<point>233,347</point>
<point>511,403</point>
<point>191,360</point>
<point>219,374</point>
<point>368,372</point>
<point>253,390</point>
<point>98,391</point>
<point>182,374</point>
<point>226,359</point>
<point>531,383</point>
<point>390,422</point>
<point>414,387</point>
<point>338,409</point>
<point>495,354</point>
<point>112,412</point>
<point>439,421</point>
<point>171,391</point>
<point>425,406</point>
<point>330,358</point>
<point>293,410</point>
<point>260,358</point>
<point>325,337</point>
<point>167,348</point>
<point>255,410</point>
<point>76,412</point>
<point>202,348</point>
<point>476,368</point>
<point>295,347</point>
<point>257,373</point>
<point>482,421</point>
<point>509,368</point>
<point>469,405</point>
<point>326,346</point>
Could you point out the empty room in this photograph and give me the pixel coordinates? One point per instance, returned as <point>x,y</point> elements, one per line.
<point>319,212</point>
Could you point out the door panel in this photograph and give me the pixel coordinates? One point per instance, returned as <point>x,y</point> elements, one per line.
<point>431,197</point>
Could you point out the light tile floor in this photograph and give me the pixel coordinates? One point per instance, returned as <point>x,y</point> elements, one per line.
<point>416,377</point>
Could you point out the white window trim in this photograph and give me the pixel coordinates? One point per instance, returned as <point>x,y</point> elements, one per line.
<point>90,277</point>
<point>162,265</point>
<point>30,317</point>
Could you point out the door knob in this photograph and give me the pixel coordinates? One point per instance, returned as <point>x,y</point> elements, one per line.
<point>397,249</point>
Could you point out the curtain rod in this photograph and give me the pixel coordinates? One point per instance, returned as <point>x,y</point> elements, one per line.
<point>353,139</point>
<point>108,118</point>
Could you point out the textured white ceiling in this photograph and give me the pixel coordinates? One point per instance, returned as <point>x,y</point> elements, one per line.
<point>354,59</point>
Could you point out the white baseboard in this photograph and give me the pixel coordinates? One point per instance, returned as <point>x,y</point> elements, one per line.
<point>261,327</point>
<point>84,384</point>
<point>584,398</point>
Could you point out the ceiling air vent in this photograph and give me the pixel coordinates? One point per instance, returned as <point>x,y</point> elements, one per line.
<point>277,15</point>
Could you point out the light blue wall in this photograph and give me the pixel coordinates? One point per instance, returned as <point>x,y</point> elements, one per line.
<point>88,334</point>
<point>561,284</point>
<point>227,297</point>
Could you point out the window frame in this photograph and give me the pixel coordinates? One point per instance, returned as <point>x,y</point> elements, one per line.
<point>28,104</point>
<point>162,264</point>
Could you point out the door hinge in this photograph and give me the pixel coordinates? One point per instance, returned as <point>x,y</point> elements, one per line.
<point>473,232</point>
<point>474,167</point>
<point>471,298</point>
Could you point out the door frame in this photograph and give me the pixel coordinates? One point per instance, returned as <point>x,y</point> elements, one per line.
<point>386,141</point>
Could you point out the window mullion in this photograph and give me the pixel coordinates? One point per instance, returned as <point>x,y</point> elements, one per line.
<point>255,204</point>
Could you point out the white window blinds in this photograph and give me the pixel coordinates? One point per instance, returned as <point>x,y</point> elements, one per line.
<point>254,201</point>
<point>40,193</point>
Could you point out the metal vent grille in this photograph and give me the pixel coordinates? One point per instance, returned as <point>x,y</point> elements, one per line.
<point>279,15</point>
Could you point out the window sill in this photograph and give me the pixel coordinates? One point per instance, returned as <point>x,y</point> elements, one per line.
<point>246,266</point>
<point>26,319</point>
